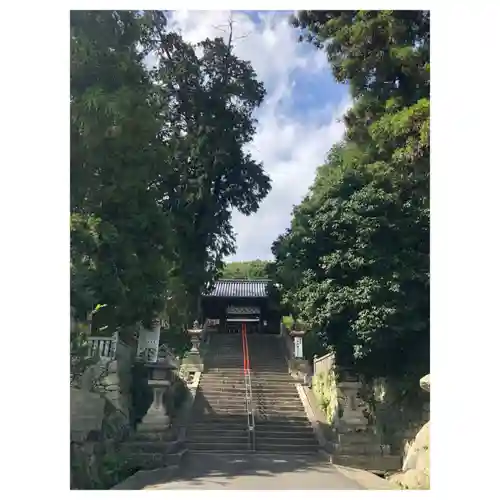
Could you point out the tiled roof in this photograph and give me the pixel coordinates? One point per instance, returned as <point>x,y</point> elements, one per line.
<point>239,288</point>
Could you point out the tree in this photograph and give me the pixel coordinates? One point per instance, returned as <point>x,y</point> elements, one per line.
<point>246,270</point>
<point>355,262</point>
<point>157,163</point>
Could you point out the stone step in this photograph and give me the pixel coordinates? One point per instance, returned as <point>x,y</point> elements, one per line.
<point>370,463</point>
<point>285,431</point>
<point>270,438</point>
<point>220,413</point>
<point>279,368</point>
<point>303,432</point>
<point>279,421</point>
<point>261,383</point>
<point>256,396</point>
<point>360,449</point>
<point>285,424</point>
<point>150,461</point>
<point>223,411</point>
<point>269,402</point>
<point>288,410</point>
<point>269,442</point>
<point>212,439</point>
<point>237,371</point>
<point>261,422</point>
<point>244,454</point>
<point>229,393</point>
<point>152,447</point>
<point>357,438</point>
<point>223,433</point>
<point>220,448</point>
<point>265,389</point>
<point>215,439</point>
<point>162,436</point>
<point>222,400</point>
<point>216,408</point>
<point>227,420</point>
<point>287,448</point>
<point>275,379</point>
<point>218,427</point>
<point>261,379</point>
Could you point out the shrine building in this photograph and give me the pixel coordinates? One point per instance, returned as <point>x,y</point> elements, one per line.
<point>233,302</point>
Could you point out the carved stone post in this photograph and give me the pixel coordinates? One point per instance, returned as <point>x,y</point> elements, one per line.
<point>297,336</point>
<point>160,378</point>
<point>297,361</point>
<point>195,334</point>
<point>149,342</point>
<point>353,407</point>
<point>193,361</point>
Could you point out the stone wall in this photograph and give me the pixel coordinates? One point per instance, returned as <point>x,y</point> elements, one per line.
<point>113,378</point>
<point>399,408</point>
<point>394,409</point>
<point>100,420</point>
<point>97,429</point>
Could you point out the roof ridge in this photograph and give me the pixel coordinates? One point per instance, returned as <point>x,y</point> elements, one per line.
<point>238,287</point>
<point>244,279</point>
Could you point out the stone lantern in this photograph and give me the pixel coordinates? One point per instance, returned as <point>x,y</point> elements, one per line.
<point>297,337</point>
<point>195,334</point>
<point>160,378</point>
<point>298,363</point>
<point>193,360</point>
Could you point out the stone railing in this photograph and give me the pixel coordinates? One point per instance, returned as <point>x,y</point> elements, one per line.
<point>323,364</point>
<point>103,347</point>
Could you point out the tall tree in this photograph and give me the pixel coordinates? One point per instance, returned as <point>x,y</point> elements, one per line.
<point>355,261</point>
<point>156,162</point>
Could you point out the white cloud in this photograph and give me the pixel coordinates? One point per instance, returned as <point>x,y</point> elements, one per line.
<point>290,148</point>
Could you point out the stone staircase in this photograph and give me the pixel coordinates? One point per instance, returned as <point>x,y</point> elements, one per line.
<point>147,450</point>
<point>219,422</point>
<point>282,425</point>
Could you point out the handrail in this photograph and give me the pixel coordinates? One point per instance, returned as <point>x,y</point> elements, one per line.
<point>248,389</point>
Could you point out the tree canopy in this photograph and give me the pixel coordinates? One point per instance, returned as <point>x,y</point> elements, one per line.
<point>157,162</point>
<point>354,263</point>
<point>246,270</point>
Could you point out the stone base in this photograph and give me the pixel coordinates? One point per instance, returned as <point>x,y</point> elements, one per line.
<point>300,368</point>
<point>159,424</point>
<point>155,419</point>
<point>192,362</point>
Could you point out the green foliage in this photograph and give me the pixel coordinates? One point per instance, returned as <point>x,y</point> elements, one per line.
<point>245,270</point>
<point>176,338</point>
<point>115,468</point>
<point>157,164</point>
<point>288,321</point>
<point>325,389</point>
<point>355,262</point>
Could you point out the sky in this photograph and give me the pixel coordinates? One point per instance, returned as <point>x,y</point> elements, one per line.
<point>298,122</point>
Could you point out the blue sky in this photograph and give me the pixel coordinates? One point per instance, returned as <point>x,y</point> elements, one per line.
<point>297,123</point>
